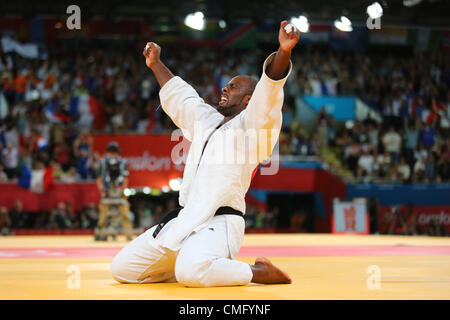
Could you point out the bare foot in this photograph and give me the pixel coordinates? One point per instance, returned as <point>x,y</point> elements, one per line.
<point>266,272</point>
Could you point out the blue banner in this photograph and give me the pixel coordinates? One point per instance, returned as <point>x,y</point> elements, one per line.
<point>340,108</point>
<point>433,194</point>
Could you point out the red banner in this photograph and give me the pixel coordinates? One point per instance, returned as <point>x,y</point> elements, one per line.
<point>390,218</point>
<point>77,194</point>
<point>149,158</point>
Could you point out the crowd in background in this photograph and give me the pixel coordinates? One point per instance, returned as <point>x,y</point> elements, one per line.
<point>411,93</point>
<point>41,127</point>
<point>144,214</point>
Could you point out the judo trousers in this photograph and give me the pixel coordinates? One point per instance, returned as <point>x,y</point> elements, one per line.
<point>202,261</point>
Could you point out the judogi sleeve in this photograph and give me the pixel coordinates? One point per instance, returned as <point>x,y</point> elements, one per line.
<point>263,112</point>
<point>183,105</point>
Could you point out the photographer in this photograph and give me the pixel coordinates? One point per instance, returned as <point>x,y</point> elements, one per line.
<point>112,180</point>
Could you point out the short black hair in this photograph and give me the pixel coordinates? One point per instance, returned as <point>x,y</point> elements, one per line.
<point>251,84</point>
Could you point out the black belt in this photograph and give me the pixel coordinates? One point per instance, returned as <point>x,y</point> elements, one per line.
<point>174,213</point>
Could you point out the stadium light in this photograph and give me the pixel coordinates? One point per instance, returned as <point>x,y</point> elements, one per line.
<point>222,24</point>
<point>147,190</point>
<point>344,24</point>
<point>165,189</point>
<point>195,20</point>
<point>175,184</point>
<point>375,10</point>
<point>301,23</point>
<point>127,192</point>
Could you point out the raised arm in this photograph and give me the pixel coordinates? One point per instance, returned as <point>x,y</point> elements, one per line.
<point>178,99</point>
<point>263,111</point>
<point>264,108</point>
<point>152,53</point>
<point>279,66</point>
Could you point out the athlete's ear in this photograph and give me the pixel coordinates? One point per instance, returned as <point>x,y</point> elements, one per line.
<point>247,99</point>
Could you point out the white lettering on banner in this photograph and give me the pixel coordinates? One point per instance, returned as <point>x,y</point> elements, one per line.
<point>148,162</point>
<point>425,218</point>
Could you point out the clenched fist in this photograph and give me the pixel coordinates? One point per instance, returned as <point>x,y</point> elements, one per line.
<point>288,40</point>
<point>152,52</point>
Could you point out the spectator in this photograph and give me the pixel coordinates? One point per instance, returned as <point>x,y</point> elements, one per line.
<point>446,148</point>
<point>83,165</point>
<point>411,137</point>
<point>443,168</point>
<point>70,176</point>
<point>83,142</point>
<point>145,218</point>
<point>428,136</point>
<point>429,170</point>
<point>89,217</point>
<point>3,176</point>
<point>93,165</point>
<point>412,225</point>
<point>373,135</point>
<point>315,145</point>
<point>5,221</point>
<point>260,219</point>
<point>18,216</point>
<point>41,219</point>
<point>72,216</point>
<point>61,154</point>
<point>157,213</point>
<point>288,116</point>
<point>59,218</point>
<point>435,227</point>
<point>323,127</point>
<point>10,159</point>
<point>272,218</point>
<point>57,171</point>
<point>383,164</point>
<point>365,163</point>
<point>82,148</point>
<point>392,142</point>
<point>419,170</point>
<point>404,170</point>
<point>250,216</point>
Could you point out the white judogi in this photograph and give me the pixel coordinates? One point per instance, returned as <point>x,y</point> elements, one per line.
<point>197,247</point>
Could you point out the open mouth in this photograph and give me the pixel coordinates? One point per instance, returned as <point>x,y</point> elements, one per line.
<point>223,100</point>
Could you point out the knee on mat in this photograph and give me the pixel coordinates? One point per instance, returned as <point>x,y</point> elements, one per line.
<point>192,274</point>
<point>118,271</point>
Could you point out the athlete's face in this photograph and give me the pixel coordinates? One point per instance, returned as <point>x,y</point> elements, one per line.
<point>234,96</point>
